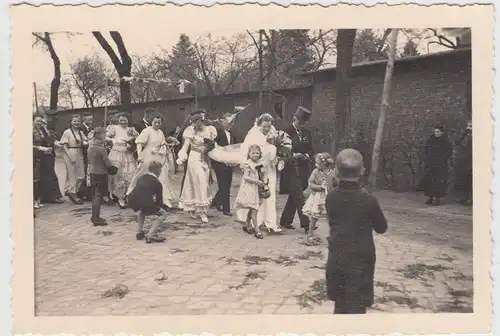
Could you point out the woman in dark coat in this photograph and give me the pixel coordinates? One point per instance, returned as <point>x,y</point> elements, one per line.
<point>48,185</point>
<point>438,151</point>
<point>463,166</point>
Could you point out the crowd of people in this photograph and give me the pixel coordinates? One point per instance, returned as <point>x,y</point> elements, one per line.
<point>134,167</point>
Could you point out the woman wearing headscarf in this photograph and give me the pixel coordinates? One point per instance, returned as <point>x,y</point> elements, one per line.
<point>48,187</point>
<point>437,153</point>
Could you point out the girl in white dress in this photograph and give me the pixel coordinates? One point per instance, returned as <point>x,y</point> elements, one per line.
<point>248,199</point>
<point>151,146</point>
<point>196,195</point>
<point>122,157</point>
<point>320,182</point>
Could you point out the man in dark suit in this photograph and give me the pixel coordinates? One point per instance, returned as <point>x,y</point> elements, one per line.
<point>223,172</point>
<point>145,122</point>
<point>295,174</point>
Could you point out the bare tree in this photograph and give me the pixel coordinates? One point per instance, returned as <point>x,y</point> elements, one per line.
<point>66,93</point>
<point>123,65</point>
<point>383,109</point>
<point>90,74</point>
<point>46,39</point>
<point>324,47</point>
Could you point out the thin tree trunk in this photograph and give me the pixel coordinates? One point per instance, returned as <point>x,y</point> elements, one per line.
<point>345,43</point>
<point>383,110</point>
<point>261,71</point>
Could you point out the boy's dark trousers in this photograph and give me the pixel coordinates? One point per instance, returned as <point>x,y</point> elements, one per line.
<point>99,183</point>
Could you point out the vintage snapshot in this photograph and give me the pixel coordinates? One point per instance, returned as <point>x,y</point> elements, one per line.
<point>247,173</point>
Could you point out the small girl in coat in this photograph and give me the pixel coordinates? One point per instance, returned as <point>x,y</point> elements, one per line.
<point>248,196</point>
<point>320,182</point>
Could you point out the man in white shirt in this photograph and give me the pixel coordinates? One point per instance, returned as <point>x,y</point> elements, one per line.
<point>223,172</point>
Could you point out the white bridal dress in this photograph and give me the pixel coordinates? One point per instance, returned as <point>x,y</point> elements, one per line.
<point>237,154</point>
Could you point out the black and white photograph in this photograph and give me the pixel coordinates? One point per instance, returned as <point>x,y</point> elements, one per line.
<point>199,171</point>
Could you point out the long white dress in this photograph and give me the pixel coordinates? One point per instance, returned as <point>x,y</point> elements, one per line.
<point>196,192</point>
<point>154,148</point>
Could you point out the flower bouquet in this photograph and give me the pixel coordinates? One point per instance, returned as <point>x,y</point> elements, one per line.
<point>283,144</point>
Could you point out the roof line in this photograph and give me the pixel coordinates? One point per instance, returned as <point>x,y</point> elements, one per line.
<point>400,60</point>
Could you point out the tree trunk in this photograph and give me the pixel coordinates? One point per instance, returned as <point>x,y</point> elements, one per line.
<point>383,110</point>
<point>261,71</point>
<point>56,80</point>
<point>123,65</point>
<point>345,43</point>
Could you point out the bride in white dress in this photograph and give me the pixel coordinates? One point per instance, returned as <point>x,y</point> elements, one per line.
<point>261,134</point>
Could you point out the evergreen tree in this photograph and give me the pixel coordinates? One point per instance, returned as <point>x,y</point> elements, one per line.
<point>410,49</point>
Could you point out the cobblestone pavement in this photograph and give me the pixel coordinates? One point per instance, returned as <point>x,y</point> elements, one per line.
<point>424,264</point>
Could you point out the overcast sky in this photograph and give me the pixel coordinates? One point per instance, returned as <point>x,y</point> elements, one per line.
<point>70,48</point>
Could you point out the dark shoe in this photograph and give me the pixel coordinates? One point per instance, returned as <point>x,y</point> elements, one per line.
<point>258,235</point>
<point>140,236</point>
<point>122,205</point>
<point>249,230</point>
<point>74,199</point>
<point>155,239</point>
<point>429,201</point>
<point>227,213</point>
<point>98,221</point>
<point>288,226</point>
<point>58,201</point>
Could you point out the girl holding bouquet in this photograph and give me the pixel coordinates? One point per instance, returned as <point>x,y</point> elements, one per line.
<point>320,182</point>
<point>151,146</point>
<point>122,137</point>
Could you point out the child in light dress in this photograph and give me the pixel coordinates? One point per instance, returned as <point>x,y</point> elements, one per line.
<point>248,196</point>
<point>320,182</point>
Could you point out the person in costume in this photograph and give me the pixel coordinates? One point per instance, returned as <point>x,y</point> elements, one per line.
<point>74,141</point>
<point>296,171</point>
<point>196,195</point>
<point>152,146</point>
<point>122,157</point>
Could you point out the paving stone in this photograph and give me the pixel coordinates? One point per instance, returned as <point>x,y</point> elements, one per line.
<point>205,273</point>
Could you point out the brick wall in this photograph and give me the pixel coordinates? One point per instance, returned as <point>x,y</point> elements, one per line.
<point>425,91</point>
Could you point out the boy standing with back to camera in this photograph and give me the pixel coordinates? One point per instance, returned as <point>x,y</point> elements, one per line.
<point>353,215</point>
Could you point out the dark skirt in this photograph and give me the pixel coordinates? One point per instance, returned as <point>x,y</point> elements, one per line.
<point>435,181</point>
<point>49,184</point>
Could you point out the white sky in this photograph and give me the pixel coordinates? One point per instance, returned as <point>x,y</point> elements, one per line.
<point>70,48</point>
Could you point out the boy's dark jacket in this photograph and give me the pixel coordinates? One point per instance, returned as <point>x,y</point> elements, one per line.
<point>353,215</point>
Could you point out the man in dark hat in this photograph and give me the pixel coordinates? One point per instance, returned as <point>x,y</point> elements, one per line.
<point>223,172</point>
<point>295,174</point>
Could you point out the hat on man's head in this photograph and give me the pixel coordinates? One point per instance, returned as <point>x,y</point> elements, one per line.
<point>349,165</point>
<point>302,114</point>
